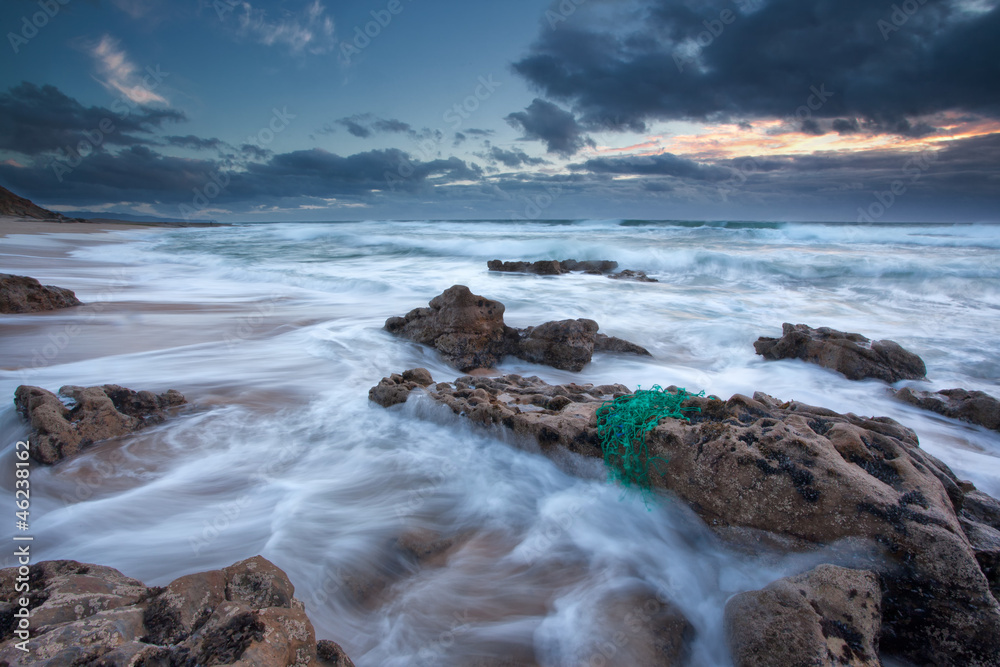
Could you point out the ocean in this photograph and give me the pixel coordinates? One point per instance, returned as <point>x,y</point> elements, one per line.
<point>274,333</point>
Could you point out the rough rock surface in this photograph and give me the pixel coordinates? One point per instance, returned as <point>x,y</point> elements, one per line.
<point>21,294</point>
<point>396,388</point>
<point>244,615</point>
<point>828,616</point>
<point>808,474</point>
<point>849,353</point>
<point>552,267</point>
<point>470,333</point>
<point>98,413</point>
<point>972,406</point>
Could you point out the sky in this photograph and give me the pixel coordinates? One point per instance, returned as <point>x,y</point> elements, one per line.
<point>282,110</point>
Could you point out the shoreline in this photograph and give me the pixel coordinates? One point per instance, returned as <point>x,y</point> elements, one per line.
<point>12,225</point>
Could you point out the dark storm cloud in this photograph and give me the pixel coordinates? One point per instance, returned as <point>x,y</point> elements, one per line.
<point>546,122</point>
<point>513,158</point>
<point>719,59</point>
<point>141,174</point>
<point>37,119</point>
<point>196,143</point>
<point>365,125</point>
<point>665,164</point>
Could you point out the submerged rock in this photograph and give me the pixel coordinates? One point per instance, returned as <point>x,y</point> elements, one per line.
<point>828,616</point>
<point>972,406</point>
<point>552,267</point>
<point>244,615</point>
<point>21,294</point>
<point>851,354</point>
<point>810,475</point>
<point>98,413</point>
<point>469,332</point>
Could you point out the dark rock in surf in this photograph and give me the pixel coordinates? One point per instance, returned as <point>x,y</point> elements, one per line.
<point>637,276</point>
<point>396,389</point>
<point>99,413</point>
<point>243,615</point>
<point>552,267</point>
<point>808,474</point>
<point>975,407</point>
<point>851,354</point>
<point>21,294</point>
<point>827,616</point>
<point>469,332</point>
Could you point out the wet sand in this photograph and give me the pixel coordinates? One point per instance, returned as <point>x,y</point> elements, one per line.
<point>12,225</point>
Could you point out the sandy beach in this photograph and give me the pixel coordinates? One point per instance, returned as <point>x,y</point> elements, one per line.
<point>10,225</point>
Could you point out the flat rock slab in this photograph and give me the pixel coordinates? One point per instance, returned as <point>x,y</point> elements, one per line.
<point>97,413</point>
<point>975,407</point>
<point>21,294</point>
<point>851,354</point>
<point>470,333</point>
<point>808,474</point>
<point>244,615</point>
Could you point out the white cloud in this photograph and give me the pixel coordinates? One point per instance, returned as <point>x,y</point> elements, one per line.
<point>311,30</point>
<point>120,74</point>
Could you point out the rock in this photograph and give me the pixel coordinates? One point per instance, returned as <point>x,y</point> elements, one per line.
<point>244,615</point>
<point>808,474</point>
<point>828,616</point>
<point>848,353</point>
<point>604,343</point>
<point>551,267</point>
<point>21,294</point>
<point>396,389</point>
<point>470,333</point>
<point>19,207</point>
<point>985,542</point>
<point>566,344</point>
<point>589,265</point>
<point>467,329</point>
<point>637,276</point>
<point>972,406</point>
<point>98,413</point>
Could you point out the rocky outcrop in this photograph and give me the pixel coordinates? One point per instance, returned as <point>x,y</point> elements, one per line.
<point>469,332</point>
<point>972,406</point>
<point>812,476</point>
<point>828,616</point>
<point>396,388</point>
<point>97,413</point>
<point>552,267</point>
<point>851,354</point>
<point>21,294</point>
<point>244,615</point>
<point>19,207</point>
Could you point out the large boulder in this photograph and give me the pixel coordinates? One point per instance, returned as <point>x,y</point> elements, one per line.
<point>972,406</point>
<point>244,615</point>
<point>852,354</point>
<point>97,413</point>
<point>828,616</point>
<point>812,476</point>
<point>21,294</point>
<point>469,332</point>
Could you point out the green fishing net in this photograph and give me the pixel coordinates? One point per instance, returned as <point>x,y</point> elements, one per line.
<point>622,425</point>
